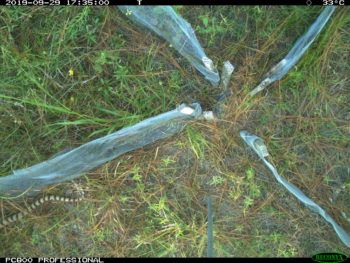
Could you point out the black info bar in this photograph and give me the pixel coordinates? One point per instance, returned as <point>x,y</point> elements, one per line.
<point>52,260</point>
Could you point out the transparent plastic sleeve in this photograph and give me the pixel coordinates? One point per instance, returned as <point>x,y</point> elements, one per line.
<point>72,164</point>
<point>257,144</point>
<point>299,48</point>
<point>226,73</point>
<point>165,22</point>
<point>344,237</point>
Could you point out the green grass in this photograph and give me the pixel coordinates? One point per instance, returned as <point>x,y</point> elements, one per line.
<point>70,75</point>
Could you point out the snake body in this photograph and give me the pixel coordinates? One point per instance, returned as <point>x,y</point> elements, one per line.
<point>36,204</point>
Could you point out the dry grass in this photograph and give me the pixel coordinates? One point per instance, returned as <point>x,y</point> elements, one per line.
<point>151,202</point>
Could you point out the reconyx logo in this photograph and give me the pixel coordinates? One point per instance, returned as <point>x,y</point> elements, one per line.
<point>329,257</point>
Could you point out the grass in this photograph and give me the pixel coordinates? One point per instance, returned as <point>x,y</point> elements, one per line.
<point>76,74</point>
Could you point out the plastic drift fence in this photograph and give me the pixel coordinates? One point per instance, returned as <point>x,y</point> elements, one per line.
<point>72,164</point>
<point>299,48</point>
<point>164,21</point>
<point>257,144</point>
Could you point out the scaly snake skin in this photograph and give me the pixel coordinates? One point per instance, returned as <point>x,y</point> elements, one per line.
<point>36,204</point>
